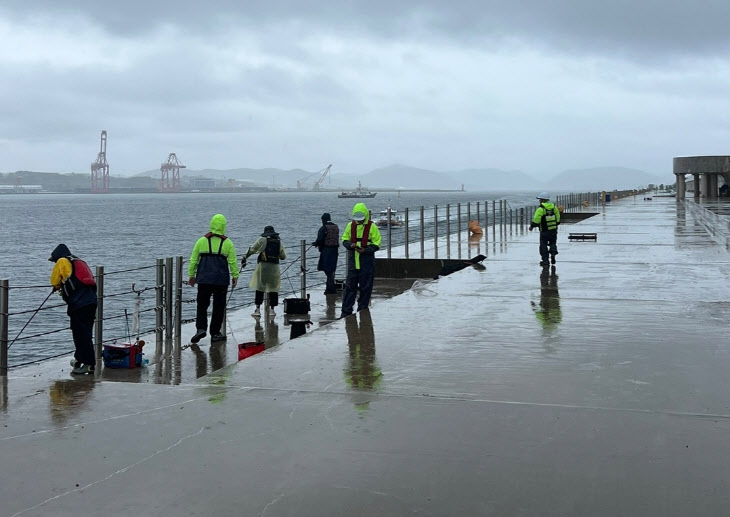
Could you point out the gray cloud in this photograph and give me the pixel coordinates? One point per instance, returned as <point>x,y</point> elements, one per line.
<point>630,28</point>
<point>541,86</point>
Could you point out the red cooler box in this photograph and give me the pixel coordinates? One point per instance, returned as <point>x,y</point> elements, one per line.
<point>125,355</point>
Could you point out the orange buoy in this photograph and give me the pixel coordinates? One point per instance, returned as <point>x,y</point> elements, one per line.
<point>474,227</point>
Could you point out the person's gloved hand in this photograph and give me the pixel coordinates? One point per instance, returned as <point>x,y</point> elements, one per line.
<point>191,281</point>
<point>243,262</point>
<point>235,282</point>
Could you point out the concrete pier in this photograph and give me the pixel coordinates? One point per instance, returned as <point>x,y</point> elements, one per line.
<point>598,387</point>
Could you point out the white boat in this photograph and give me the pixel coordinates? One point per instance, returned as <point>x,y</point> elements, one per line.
<point>395,219</point>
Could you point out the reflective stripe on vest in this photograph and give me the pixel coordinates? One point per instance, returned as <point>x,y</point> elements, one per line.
<point>549,221</point>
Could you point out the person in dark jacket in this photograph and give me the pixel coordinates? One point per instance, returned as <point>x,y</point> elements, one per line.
<point>73,277</point>
<point>328,244</point>
<point>213,263</point>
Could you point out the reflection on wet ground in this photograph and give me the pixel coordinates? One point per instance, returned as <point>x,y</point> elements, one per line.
<point>362,372</point>
<point>68,397</point>
<point>547,311</point>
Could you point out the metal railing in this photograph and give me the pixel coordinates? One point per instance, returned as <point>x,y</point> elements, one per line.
<point>418,235</point>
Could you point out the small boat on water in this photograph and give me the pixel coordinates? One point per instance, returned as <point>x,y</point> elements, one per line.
<point>395,220</point>
<point>359,192</point>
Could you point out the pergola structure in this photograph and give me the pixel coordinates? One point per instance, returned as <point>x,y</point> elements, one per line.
<point>706,172</point>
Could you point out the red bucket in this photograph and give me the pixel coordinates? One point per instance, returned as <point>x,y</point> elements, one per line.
<point>248,349</point>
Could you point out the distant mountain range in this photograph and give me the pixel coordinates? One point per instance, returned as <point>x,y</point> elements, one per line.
<point>391,177</point>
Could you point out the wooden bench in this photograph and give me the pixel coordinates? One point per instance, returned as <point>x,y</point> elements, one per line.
<point>582,236</point>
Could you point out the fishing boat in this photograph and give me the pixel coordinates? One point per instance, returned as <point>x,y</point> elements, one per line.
<point>359,192</point>
<point>395,220</point>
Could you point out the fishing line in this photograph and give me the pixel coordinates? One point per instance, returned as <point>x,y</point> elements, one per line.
<point>31,318</point>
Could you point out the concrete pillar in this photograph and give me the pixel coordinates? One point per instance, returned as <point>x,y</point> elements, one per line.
<point>696,178</point>
<point>712,189</point>
<point>680,186</point>
<point>704,187</point>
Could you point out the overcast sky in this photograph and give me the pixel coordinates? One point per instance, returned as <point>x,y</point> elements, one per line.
<point>533,85</point>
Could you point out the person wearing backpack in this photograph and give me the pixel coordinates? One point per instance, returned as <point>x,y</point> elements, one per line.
<point>547,218</point>
<point>328,244</point>
<point>266,277</point>
<point>213,263</point>
<point>75,281</point>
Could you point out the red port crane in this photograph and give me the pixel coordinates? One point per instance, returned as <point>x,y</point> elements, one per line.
<point>170,179</point>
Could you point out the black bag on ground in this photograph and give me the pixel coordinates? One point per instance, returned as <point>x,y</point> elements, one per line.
<point>297,305</point>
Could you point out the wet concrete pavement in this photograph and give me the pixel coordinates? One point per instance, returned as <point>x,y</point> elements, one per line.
<point>598,387</point>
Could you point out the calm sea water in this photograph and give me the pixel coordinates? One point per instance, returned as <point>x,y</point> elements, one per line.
<point>127,231</point>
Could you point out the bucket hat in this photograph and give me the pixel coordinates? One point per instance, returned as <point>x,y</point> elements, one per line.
<point>269,232</point>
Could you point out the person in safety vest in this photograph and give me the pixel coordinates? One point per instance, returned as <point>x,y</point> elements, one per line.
<point>212,265</point>
<point>547,218</point>
<point>74,279</point>
<point>362,238</point>
<point>328,244</point>
<point>267,276</point>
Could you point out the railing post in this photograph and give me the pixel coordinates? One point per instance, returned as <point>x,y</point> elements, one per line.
<point>423,232</point>
<point>168,305</point>
<point>303,267</point>
<point>179,302</point>
<point>159,301</point>
<point>486,221</point>
<point>389,231</point>
<point>435,231</point>
<point>4,323</point>
<point>494,219</point>
<point>448,230</point>
<point>99,322</point>
<point>405,235</point>
<point>458,229</point>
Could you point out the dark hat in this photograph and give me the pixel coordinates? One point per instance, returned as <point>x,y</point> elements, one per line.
<point>60,252</point>
<point>269,232</point>
<point>326,217</point>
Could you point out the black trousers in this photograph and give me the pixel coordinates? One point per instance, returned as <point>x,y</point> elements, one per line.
<point>362,279</point>
<point>82,330</point>
<point>330,288</point>
<point>219,307</point>
<point>548,244</point>
<point>273,298</point>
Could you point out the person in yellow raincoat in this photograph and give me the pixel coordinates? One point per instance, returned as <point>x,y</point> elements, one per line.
<point>362,239</point>
<point>267,276</point>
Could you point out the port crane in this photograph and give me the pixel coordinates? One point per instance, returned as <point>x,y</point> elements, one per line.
<point>100,169</point>
<point>317,184</point>
<point>170,178</point>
